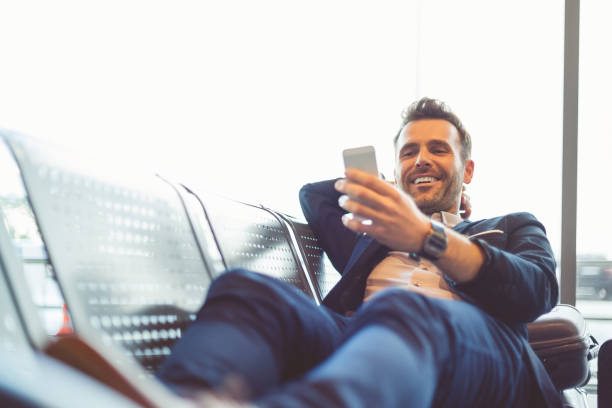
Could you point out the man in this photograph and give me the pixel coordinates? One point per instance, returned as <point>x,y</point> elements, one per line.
<point>430,309</point>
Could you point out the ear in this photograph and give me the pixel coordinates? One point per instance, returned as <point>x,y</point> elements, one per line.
<point>468,171</point>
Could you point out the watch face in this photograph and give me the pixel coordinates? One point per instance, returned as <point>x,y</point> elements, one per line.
<point>435,243</point>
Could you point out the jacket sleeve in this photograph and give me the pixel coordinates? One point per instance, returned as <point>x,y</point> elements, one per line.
<point>319,203</point>
<point>517,282</point>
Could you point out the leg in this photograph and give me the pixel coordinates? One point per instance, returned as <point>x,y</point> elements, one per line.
<point>407,350</point>
<point>255,329</point>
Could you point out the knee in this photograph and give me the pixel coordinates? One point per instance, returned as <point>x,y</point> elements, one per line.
<point>235,275</point>
<point>241,285</point>
<point>237,279</point>
<point>250,299</point>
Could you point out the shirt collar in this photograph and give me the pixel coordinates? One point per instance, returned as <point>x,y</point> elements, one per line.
<point>446,218</point>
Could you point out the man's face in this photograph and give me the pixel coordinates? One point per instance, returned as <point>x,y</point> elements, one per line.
<point>429,167</point>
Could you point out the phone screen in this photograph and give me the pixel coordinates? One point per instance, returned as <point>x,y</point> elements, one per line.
<point>361,158</point>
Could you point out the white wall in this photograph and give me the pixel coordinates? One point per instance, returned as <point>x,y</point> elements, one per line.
<point>251,99</point>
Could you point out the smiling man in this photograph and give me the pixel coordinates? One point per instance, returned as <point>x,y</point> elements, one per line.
<point>430,310</point>
<point>432,163</point>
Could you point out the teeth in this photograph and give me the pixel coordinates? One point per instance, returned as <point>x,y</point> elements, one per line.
<point>420,180</point>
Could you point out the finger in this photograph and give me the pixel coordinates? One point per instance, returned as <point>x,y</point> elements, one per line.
<point>465,198</point>
<point>358,208</point>
<point>370,181</point>
<point>465,207</point>
<point>358,225</point>
<point>364,195</point>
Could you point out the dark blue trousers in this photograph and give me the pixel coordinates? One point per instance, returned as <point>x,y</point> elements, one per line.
<point>400,349</point>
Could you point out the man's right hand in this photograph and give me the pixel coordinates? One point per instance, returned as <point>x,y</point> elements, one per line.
<point>396,221</point>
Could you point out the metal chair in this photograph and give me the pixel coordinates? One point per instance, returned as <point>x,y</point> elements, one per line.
<point>28,377</point>
<point>254,238</point>
<point>318,266</point>
<point>126,261</point>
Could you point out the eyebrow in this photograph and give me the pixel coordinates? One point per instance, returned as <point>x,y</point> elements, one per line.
<point>431,143</point>
<point>438,143</point>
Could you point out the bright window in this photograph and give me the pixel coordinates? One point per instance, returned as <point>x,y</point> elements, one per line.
<point>507,85</point>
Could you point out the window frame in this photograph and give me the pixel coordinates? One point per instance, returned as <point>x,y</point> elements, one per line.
<point>570,152</point>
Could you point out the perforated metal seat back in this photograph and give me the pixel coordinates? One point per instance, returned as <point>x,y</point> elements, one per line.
<point>319,266</point>
<point>121,246</point>
<point>253,238</point>
<point>203,231</point>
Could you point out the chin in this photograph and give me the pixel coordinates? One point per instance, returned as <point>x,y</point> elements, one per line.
<point>427,206</point>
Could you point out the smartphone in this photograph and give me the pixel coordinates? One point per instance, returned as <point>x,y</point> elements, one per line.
<point>361,158</point>
<point>364,159</point>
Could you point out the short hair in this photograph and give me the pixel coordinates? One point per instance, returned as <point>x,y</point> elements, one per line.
<point>428,108</point>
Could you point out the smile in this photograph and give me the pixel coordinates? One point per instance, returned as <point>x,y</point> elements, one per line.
<point>426,179</point>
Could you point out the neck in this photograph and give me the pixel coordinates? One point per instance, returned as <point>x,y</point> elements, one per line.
<point>453,210</point>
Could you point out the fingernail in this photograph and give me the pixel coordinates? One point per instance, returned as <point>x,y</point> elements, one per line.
<point>342,200</point>
<point>345,218</point>
<point>339,184</point>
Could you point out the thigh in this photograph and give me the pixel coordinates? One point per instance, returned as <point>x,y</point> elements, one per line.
<point>487,363</point>
<point>477,360</point>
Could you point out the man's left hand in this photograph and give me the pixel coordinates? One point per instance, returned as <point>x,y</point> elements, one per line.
<point>465,208</point>
<point>396,221</point>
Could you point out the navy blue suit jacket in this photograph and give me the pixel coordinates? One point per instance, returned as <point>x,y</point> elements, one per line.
<point>516,284</point>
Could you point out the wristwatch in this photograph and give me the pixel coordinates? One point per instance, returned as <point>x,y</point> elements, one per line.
<point>435,242</point>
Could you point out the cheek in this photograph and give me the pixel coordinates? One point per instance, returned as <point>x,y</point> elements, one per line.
<point>402,172</point>
<point>405,165</point>
<point>452,167</point>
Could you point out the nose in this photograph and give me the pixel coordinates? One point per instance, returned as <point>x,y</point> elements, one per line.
<point>422,160</point>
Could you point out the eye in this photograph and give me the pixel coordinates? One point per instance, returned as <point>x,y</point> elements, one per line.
<point>439,150</point>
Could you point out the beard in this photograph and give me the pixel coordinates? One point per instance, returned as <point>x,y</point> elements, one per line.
<point>444,197</point>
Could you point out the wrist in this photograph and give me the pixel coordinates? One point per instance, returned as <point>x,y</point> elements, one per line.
<point>435,241</point>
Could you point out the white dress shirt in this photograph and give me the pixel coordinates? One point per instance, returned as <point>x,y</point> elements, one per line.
<point>410,272</point>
